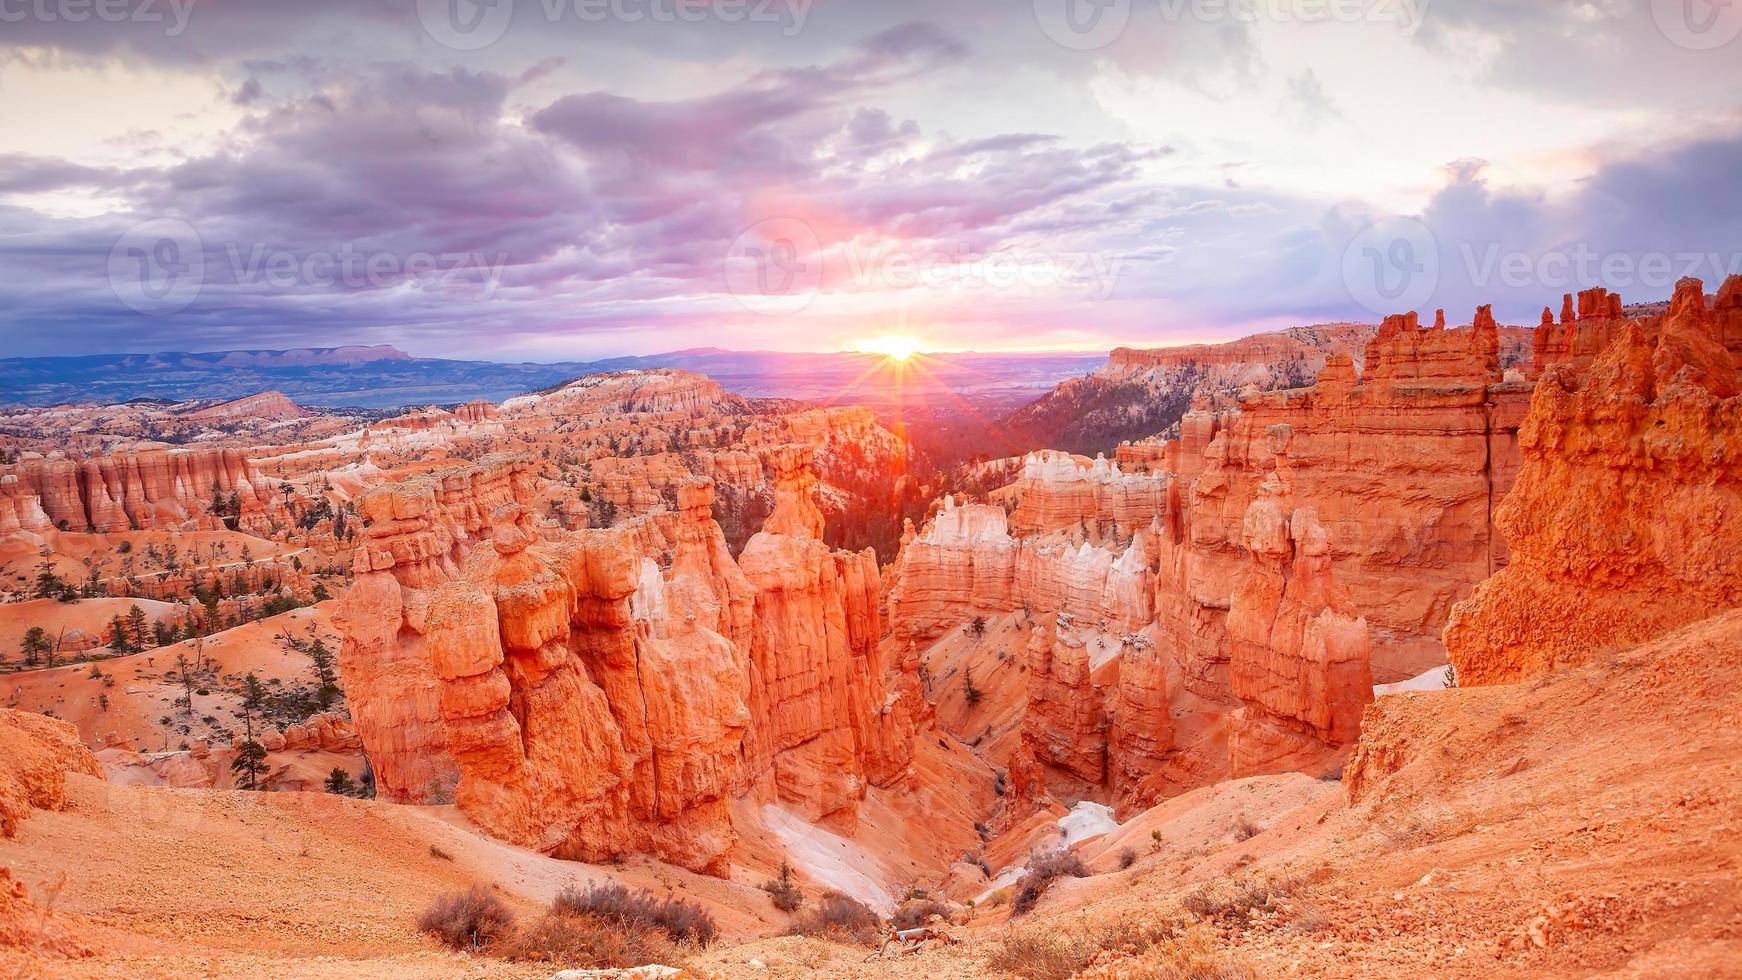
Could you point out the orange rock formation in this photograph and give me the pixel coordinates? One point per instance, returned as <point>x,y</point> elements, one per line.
<point>1626,503</point>
<point>595,693</point>
<point>36,753</point>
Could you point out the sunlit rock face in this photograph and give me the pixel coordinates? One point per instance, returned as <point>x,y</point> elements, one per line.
<point>600,692</point>
<point>1377,485</point>
<point>1622,522</point>
<point>142,489</point>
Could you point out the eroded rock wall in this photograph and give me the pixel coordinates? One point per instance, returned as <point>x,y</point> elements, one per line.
<point>137,489</point>
<point>1624,520</point>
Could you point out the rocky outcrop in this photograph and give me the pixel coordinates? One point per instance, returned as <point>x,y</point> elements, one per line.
<point>1623,520</point>
<point>36,754</point>
<point>1057,491</point>
<point>1071,673</point>
<point>1404,463</point>
<point>663,391</point>
<point>825,723</point>
<point>599,692</point>
<point>270,405</point>
<point>967,564</point>
<point>139,489</point>
<point>1297,657</point>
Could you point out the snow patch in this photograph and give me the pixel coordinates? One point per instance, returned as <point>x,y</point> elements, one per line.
<point>830,859</point>
<point>1087,820</point>
<point>1433,680</point>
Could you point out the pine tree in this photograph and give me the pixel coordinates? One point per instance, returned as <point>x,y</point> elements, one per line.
<point>339,782</point>
<point>118,636</point>
<point>250,762</point>
<point>324,672</point>
<point>253,699</point>
<point>137,630</point>
<point>35,644</point>
<point>187,680</point>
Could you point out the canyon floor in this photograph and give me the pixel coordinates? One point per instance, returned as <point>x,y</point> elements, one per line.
<point>1588,823</point>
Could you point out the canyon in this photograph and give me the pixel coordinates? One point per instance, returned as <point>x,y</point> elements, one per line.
<point>1438,603</point>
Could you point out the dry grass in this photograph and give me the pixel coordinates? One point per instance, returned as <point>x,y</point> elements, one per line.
<point>588,942</point>
<point>1239,898</point>
<point>439,854</point>
<point>918,912</point>
<point>840,918</point>
<point>1157,949</point>
<point>1043,870</point>
<point>472,919</point>
<point>683,922</point>
<point>784,891</point>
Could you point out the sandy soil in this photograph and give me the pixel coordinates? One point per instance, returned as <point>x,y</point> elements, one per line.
<point>77,624</point>
<point>142,688</point>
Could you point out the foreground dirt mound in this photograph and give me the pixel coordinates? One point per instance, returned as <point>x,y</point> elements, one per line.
<point>36,753</point>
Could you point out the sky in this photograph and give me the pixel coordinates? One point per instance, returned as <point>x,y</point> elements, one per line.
<point>573,179</point>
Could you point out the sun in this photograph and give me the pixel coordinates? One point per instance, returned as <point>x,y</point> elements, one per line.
<point>893,346</point>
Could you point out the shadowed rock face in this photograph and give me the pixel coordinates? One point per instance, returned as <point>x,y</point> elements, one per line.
<point>140,489</point>
<point>1623,523</point>
<point>600,692</point>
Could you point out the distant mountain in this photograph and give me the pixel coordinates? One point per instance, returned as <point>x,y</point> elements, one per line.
<point>386,377</point>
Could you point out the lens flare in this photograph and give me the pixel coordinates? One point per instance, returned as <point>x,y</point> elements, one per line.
<point>893,346</point>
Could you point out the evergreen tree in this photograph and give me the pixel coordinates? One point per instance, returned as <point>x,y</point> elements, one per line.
<point>339,782</point>
<point>118,637</point>
<point>253,699</point>
<point>35,644</point>
<point>137,631</point>
<point>324,672</point>
<point>250,762</point>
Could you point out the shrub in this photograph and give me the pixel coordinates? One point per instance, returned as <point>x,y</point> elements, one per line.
<point>1127,857</point>
<point>1044,869</point>
<point>784,891</point>
<point>970,693</point>
<point>1244,829</point>
<point>1239,899</point>
<point>841,918</point>
<point>588,942</point>
<point>917,912</point>
<point>472,919</point>
<point>1049,953</point>
<point>436,852</point>
<point>682,921</point>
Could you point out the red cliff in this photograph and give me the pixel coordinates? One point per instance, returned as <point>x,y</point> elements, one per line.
<point>1623,520</point>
